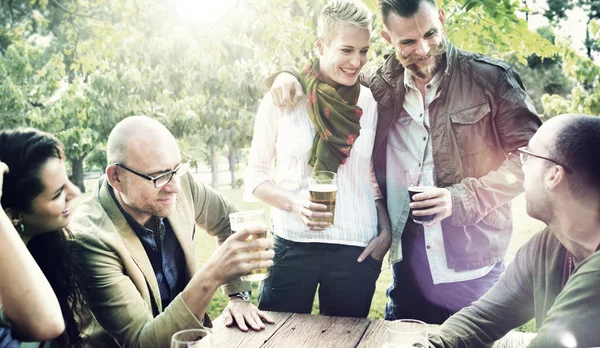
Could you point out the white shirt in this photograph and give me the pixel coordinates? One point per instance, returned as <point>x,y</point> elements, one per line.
<point>280,150</point>
<point>410,139</point>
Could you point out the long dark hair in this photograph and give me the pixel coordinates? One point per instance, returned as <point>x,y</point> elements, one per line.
<point>26,151</point>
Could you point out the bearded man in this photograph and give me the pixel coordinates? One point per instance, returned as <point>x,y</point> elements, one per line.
<point>459,114</point>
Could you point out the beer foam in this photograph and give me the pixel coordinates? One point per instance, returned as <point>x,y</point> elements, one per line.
<point>322,188</point>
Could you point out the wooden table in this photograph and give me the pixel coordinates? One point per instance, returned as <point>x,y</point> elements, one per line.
<point>293,330</point>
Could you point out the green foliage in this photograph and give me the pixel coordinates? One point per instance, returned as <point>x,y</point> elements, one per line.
<point>492,27</point>
<point>75,68</point>
<point>585,95</point>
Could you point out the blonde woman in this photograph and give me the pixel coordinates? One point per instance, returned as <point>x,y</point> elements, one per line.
<point>332,129</point>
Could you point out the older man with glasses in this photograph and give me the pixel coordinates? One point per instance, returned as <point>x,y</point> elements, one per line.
<point>555,277</point>
<point>136,238</point>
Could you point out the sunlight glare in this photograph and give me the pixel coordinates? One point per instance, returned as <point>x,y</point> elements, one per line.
<point>204,11</point>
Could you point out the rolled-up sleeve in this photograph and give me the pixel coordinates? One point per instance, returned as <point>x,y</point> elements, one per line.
<point>262,152</point>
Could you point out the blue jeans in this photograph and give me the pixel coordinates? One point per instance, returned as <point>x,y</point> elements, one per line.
<point>413,295</point>
<point>7,339</point>
<point>346,287</point>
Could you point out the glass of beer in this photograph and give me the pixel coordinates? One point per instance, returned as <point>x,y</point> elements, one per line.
<point>405,333</point>
<point>244,219</point>
<point>323,190</point>
<point>196,338</point>
<point>420,180</point>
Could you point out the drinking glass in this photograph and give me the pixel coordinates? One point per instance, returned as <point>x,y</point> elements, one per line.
<point>196,338</point>
<point>420,180</point>
<point>406,333</point>
<point>323,190</point>
<point>244,219</point>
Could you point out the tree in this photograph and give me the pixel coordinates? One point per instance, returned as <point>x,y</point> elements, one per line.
<point>75,68</point>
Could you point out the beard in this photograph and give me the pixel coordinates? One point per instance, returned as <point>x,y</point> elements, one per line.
<point>428,71</point>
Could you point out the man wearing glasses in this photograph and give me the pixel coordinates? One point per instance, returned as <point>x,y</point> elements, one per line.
<point>136,238</point>
<point>555,277</point>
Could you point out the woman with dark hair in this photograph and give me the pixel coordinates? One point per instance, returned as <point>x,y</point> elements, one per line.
<point>36,197</point>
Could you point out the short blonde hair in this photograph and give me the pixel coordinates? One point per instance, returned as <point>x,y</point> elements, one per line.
<point>338,12</point>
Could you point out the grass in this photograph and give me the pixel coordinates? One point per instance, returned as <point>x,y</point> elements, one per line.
<point>524,228</point>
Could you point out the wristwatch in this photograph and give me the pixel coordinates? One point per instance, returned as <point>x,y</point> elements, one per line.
<point>244,295</point>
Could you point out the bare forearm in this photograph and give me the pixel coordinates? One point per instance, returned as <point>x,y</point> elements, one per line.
<point>26,296</point>
<point>383,219</point>
<point>274,195</point>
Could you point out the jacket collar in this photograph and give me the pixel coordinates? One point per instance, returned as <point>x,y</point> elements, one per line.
<point>134,245</point>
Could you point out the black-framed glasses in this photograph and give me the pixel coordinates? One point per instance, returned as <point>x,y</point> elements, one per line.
<point>524,155</point>
<point>163,179</point>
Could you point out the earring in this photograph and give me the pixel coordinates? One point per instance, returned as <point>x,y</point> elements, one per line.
<point>20,227</point>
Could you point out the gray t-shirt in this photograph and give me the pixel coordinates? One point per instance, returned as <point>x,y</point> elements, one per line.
<point>532,287</point>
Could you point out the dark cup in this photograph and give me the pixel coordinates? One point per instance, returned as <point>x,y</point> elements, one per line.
<point>413,190</point>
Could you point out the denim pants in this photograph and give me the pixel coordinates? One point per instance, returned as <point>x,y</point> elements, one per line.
<point>346,287</point>
<point>7,339</point>
<point>413,295</point>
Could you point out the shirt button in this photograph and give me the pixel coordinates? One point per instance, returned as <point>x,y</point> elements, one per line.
<point>419,164</point>
<point>428,247</point>
<point>425,138</point>
<point>420,115</point>
<point>428,86</point>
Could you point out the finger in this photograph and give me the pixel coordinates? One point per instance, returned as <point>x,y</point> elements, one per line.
<point>286,96</point>
<point>254,321</point>
<point>426,204</point>
<point>239,319</point>
<point>317,224</point>
<point>298,93</point>
<point>249,319</point>
<point>312,225</point>
<point>316,207</point>
<point>429,194</point>
<point>266,317</point>
<point>368,250</point>
<point>313,215</point>
<point>276,95</point>
<point>249,229</point>
<point>227,319</point>
<point>257,244</point>
<point>257,255</point>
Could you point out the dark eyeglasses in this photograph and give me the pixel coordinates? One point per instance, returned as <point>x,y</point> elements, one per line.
<point>524,155</point>
<point>163,179</point>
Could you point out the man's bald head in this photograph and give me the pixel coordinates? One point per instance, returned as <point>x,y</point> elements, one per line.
<point>133,134</point>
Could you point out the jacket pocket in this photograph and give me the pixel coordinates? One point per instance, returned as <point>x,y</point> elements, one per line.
<point>470,128</point>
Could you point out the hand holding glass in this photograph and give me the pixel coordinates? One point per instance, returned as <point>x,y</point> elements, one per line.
<point>418,181</point>
<point>323,190</point>
<point>241,220</point>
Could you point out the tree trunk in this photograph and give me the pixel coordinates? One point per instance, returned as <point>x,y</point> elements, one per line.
<point>231,158</point>
<point>77,173</point>
<point>214,166</point>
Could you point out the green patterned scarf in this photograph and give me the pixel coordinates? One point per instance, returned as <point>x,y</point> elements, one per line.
<point>335,116</point>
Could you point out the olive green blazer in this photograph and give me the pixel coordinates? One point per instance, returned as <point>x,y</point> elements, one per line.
<point>124,295</point>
